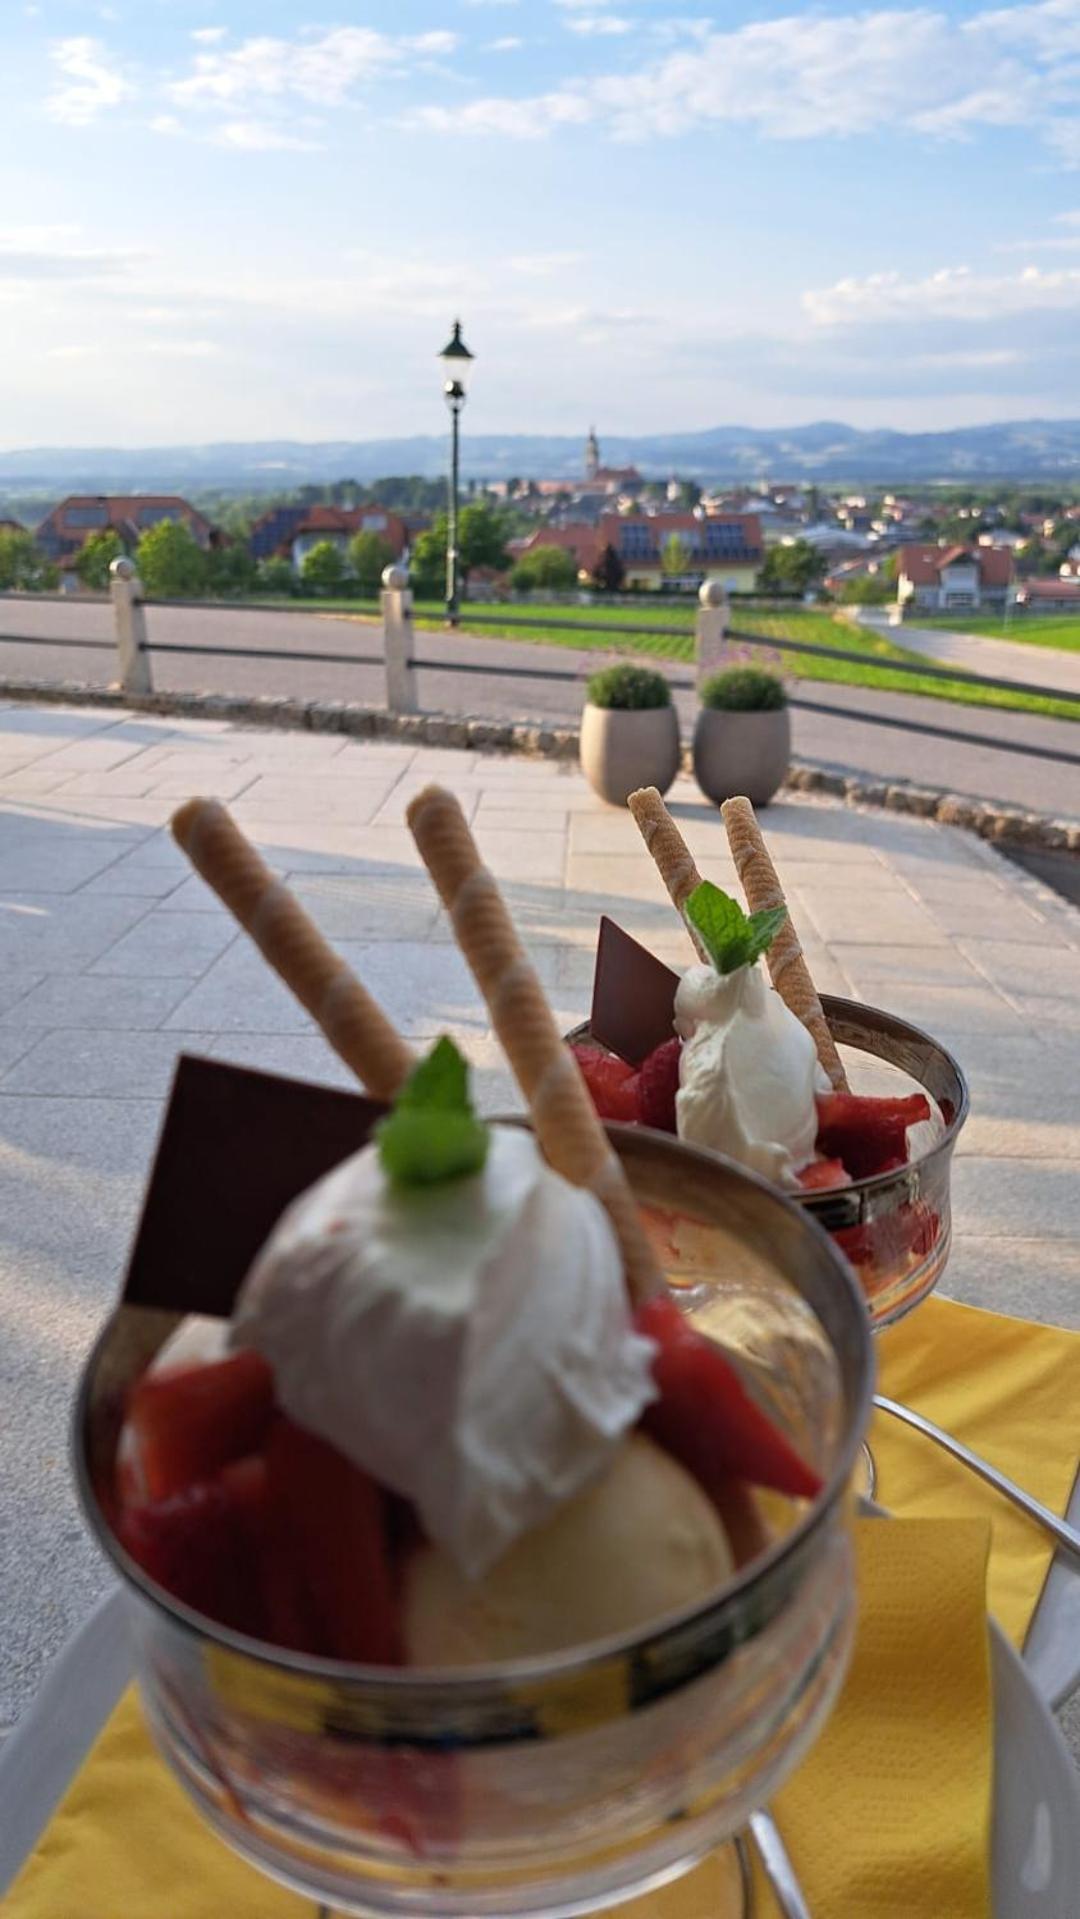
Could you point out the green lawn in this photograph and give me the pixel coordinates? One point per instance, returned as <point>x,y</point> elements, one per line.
<point>792,623</point>
<point>1029,629</point>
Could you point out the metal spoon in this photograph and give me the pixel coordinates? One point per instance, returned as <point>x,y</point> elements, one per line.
<point>1067,1537</point>
<point>779,1870</point>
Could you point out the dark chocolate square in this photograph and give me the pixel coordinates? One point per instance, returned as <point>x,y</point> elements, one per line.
<point>236,1147</point>
<point>633,1003</point>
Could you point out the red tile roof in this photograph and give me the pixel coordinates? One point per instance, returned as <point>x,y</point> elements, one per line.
<point>321,518</point>
<point>1066,591</point>
<point>576,537</point>
<point>125,512</point>
<point>923,565</point>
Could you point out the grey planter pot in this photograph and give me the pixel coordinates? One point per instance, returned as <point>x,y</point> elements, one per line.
<point>741,753</point>
<point>622,751</point>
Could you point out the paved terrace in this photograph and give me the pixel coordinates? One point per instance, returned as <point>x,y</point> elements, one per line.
<point>113,957</point>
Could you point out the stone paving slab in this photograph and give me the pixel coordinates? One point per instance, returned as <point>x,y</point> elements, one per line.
<point>114,957</point>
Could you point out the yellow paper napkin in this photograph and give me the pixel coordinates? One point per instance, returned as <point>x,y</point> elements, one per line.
<point>1011,1391</point>
<point>886,1819</point>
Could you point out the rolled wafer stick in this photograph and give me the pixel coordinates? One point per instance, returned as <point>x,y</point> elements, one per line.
<point>673,857</point>
<point>570,1134</point>
<point>787,967</point>
<point>355,1026</point>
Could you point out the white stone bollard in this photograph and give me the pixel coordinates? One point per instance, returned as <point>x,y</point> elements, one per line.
<point>129,613</point>
<point>711,629</point>
<point>401,693</point>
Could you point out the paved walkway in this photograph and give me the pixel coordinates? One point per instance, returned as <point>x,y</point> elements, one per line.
<point>1052,667</point>
<point>1016,759</point>
<point>113,958</point>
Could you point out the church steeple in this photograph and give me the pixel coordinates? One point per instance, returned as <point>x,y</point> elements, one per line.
<point>592,455</point>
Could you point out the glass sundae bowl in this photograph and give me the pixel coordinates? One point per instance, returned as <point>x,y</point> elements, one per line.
<point>894,1227</point>
<point>561,1784</point>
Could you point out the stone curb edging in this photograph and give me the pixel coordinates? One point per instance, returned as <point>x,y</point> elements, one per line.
<point>1001,825</point>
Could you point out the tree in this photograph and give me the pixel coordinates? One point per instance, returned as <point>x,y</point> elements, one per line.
<point>323,570</point>
<point>481,542</point>
<point>427,567</point>
<point>23,569</point>
<point>609,572</point>
<point>688,495</point>
<point>93,563</point>
<point>791,569</point>
<point>481,539</point>
<point>550,568</point>
<point>230,571</point>
<point>871,590</point>
<point>170,562</point>
<point>676,557</point>
<point>275,575</point>
<point>368,554</point>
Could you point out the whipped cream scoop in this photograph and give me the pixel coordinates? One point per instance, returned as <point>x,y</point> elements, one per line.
<point>469,1343</point>
<point>748,1074</point>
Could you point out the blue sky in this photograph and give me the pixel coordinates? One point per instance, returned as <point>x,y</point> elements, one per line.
<point>229,220</point>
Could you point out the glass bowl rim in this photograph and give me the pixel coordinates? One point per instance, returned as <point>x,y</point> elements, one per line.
<point>855,1013</point>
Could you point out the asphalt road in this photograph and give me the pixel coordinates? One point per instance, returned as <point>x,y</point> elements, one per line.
<point>1014,758</point>
<point>1052,667</point>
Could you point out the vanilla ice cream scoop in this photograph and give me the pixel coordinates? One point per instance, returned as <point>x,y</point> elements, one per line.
<point>468,1343</point>
<point>641,1541</point>
<point>748,1073</point>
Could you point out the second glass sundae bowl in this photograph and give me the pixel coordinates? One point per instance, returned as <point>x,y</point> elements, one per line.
<point>556,1785</point>
<point>895,1227</point>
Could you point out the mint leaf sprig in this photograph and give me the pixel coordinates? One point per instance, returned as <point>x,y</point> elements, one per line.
<point>731,937</point>
<point>433,1133</point>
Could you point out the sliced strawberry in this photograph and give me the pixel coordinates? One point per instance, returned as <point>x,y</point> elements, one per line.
<point>869,1135</point>
<point>821,1174</point>
<point>189,1423</point>
<point>880,1244</point>
<point>658,1079</point>
<point>613,1084</point>
<point>329,1525</point>
<point>705,1415</point>
<point>197,1545</point>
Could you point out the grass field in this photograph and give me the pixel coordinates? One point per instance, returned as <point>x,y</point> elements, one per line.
<point>792,623</point>
<point>1028,629</point>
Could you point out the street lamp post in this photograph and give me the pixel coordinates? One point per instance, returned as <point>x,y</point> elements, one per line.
<point>456,360</point>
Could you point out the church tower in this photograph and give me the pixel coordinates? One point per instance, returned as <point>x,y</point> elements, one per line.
<point>592,455</point>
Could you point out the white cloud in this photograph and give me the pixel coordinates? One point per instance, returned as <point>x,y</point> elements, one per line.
<point>521,119</point>
<point>1064,136</point>
<point>209,36</point>
<point>91,83</point>
<point>1052,28</point>
<point>598,23</point>
<point>181,349</point>
<point>53,253</point>
<point>321,67</point>
<point>1068,219</point>
<point>974,358</point>
<point>509,43</point>
<point>260,136</point>
<point>952,293</point>
<point>813,75</point>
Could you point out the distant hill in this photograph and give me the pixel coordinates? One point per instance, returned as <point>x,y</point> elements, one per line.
<point>826,451</point>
